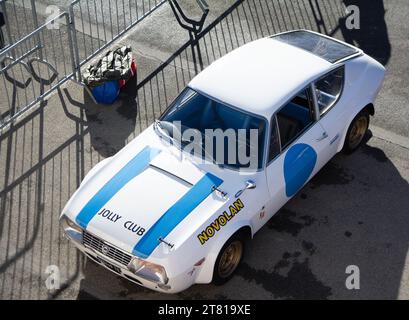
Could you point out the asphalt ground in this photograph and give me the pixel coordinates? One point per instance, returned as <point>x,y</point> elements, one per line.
<point>354,212</point>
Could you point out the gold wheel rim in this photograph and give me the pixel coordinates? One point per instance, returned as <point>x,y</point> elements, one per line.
<point>230,259</point>
<point>358,132</point>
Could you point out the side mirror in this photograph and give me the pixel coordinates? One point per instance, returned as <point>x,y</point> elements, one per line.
<point>250,184</point>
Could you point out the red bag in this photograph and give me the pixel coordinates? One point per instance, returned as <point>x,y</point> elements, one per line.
<point>122,82</point>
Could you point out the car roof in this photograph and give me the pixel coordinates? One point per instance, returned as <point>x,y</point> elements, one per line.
<point>260,76</point>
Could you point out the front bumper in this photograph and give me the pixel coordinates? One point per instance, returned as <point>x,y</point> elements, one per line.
<point>173,285</point>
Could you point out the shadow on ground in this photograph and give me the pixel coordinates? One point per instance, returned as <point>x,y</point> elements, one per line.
<point>109,126</point>
<point>372,37</point>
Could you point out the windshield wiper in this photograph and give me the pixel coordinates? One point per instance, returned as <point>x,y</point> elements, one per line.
<point>166,128</point>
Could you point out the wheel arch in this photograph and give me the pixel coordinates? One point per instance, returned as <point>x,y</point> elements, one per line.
<point>368,106</point>
<point>206,272</point>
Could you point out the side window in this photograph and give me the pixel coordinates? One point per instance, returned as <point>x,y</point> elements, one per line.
<point>274,147</point>
<point>295,117</point>
<point>328,89</point>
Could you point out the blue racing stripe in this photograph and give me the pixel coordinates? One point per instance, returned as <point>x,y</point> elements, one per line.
<point>134,167</point>
<point>175,214</point>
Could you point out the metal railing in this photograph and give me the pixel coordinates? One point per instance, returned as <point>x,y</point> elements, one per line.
<point>33,67</point>
<point>20,19</point>
<point>2,23</point>
<point>96,24</point>
<point>91,26</point>
<point>34,60</point>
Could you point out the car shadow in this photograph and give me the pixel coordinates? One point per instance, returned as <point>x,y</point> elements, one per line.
<point>353,212</point>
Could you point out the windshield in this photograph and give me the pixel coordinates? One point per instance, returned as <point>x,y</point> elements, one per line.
<point>215,131</point>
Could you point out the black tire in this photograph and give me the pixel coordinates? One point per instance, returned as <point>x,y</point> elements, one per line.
<point>219,278</point>
<point>356,132</point>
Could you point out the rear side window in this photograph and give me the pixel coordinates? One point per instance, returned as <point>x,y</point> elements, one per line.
<point>328,89</point>
<point>295,117</point>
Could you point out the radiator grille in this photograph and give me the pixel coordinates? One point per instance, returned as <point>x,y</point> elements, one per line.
<point>105,248</point>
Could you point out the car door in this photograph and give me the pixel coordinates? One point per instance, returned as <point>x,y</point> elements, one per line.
<point>297,141</point>
<point>331,107</point>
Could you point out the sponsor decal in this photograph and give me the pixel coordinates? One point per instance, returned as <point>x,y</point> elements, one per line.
<point>108,214</point>
<point>129,225</point>
<point>220,221</point>
<point>132,226</point>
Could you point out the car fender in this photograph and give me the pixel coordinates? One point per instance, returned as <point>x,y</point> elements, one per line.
<point>348,123</point>
<point>95,169</point>
<point>87,177</point>
<point>206,272</point>
<point>367,89</point>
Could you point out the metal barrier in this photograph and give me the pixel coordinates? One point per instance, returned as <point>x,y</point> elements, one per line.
<point>34,63</point>
<point>194,27</point>
<point>33,67</point>
<point>101,23</point>
<point>2,23</point>
<point>20,17</point>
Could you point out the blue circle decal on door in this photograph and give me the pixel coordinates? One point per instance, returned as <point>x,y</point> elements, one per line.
<point>299,163</point>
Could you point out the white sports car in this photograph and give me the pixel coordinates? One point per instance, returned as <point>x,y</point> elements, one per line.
<point>165,214</point>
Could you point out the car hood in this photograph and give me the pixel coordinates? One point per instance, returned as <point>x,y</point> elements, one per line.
<point>140,195</point>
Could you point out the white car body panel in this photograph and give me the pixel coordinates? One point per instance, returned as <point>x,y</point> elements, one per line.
<point>364,77</point>
<point>246,79</point>
<point>274,170</point>
<point>257,82</point>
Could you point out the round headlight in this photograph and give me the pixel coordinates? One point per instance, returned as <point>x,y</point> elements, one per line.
<point>135,265</point>
<point>147,270</point>
<point>67,223</point>
<point>71,229</point>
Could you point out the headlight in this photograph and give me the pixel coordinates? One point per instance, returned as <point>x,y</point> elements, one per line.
<point>68,223</point>
<point>147,270</point>
<point>71,229</point>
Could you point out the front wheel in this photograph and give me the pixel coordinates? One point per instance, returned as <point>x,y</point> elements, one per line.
<point>228,259</point>
<point>356,132</point>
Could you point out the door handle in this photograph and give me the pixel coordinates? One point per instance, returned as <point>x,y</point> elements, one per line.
<point>324,136</point>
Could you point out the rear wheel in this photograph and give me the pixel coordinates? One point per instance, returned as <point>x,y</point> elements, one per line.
<point>356,132</point>
<point>228,259</point>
